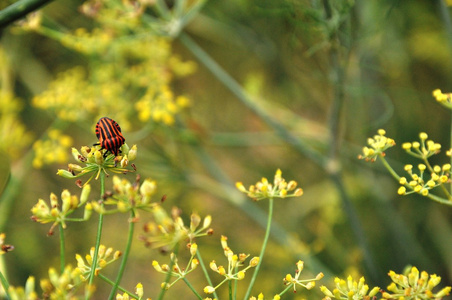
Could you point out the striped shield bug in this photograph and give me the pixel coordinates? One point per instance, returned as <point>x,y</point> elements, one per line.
<point>109,134</point>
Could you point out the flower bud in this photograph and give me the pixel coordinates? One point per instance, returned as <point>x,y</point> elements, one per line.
<point>254,261</point>
<point>132,153</point>
<point>88,211</point>
<point>65,174</point>
<point>194,221</point>
<point>207,221</point>
<point>193,249</point>
<point>98,157</point>
<point>124,161</point>
<point>139,290</point>
<point>209,289</point>
<point>85,194</point>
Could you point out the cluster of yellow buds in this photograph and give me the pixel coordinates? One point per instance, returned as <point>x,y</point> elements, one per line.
<point>105,256</point>
<point>139,291</point>
<point>4,247</point>
<point>414,285</point>
<point>234,263</point>
<point>58,214</point>
<point>165,232</point>
<point>295,280</point>
<point>264,189</point>
<point>61,286</point>
<point>423,149</point>
<point>128,196</point>
<point>28,292</point>
<point>350,289</point>
<point>262,297</point>
<point>52,149</point>
<point>444,99</point>
<point>418,184</point>
<point>95,162</point>
<point>174,269</point>
<point>377,146</point>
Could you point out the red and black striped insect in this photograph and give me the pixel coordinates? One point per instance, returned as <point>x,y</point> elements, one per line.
<point>109,134</point>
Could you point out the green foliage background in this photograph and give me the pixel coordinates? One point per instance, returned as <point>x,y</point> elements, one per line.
<point>288,58</point>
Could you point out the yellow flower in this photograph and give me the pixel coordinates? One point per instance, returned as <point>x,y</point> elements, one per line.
<point>53,149</point>
<point>264,189</point>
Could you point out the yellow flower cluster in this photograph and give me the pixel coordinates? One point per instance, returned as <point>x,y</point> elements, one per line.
<point>128,196</point>
<point>423,149</point>
<point>414,285</point>
<point>14,136</point>
<point>419,184</point>
<point>139,291</point>
<point>105,256</point>
<point>295,280</point>
<point>61,286</point>
<point>70,96</point>
<point>57,286</point>
<point>165,232</point>
<point>160,105</point>
<point>52,149</point>
<point>130,74</point>
<point>350,289</point>
<point>265,190</point>
<point>28,292</point>
<point>262,297</point>
<point>232,271</point>
<point>444,99</point>
<point>58,213</point>
<point>174,269</point>
<point>377,146</point>
<point>95,162</point>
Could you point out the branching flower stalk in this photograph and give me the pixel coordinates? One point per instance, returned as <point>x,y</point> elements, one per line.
<point>263,247</point>
<point>98,236</point>
<point>125,256</point>
<point>265,190</point>
<point>428,178</point>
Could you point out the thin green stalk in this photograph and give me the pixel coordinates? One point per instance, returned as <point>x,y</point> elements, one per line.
<point>168,275</point>
<point>192,288</point>
<point>235,284</point>
<point>206,273</point>
<point>264,246</point>
<point>389,168</point>
<point>238,91</point>
<point>19,9</point>
<point>445,15</point>
<point>5,284</point>
<point>110,282</point>
<point>62,249</point>
<point>99,233</point>
<point>125,255</point>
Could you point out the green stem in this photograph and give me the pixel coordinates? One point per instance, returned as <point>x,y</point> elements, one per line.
<point>125,256</point>
<point>5,284</point>
<point>286,289</point>
<point>238,91</point>
<point>439,199</point>
<point>168,275</point>
<point>18,10</point>
<point>99,233</point>
<point>192,288</point>
<point>62,249</point>
<point>110,282</point>
<point>389,168</point>
<point>264,246</point>
<point>206,273</point>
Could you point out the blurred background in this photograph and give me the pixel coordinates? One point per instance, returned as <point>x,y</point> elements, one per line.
<point>214,92</point>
